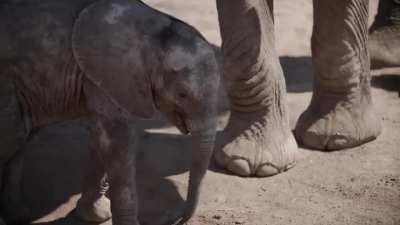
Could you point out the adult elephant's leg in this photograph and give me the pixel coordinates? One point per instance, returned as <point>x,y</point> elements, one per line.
<point>257,140</point>
<point>384,39</point>
<point>341,114</point>
<point>118,142</point>
<point>12,141</point>
<point>94,206</point>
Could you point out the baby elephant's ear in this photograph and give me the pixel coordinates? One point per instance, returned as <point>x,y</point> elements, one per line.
<point>106,46</point>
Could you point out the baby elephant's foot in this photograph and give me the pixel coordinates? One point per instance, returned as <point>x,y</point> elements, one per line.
<point>14,212</point>
<point>94,211</point>
<point>346,126</point>
<point>256,145</point>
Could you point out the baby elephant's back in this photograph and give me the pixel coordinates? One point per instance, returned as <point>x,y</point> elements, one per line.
<point>38,53</point>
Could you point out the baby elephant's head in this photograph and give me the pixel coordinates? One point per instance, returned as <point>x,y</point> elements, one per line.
<point>186,91</point>
<point>187,84</point>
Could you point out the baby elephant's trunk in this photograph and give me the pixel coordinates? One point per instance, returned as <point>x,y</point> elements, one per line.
<point>203,145</point>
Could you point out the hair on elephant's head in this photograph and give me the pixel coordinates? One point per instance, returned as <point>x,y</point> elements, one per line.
<point>145,60</point>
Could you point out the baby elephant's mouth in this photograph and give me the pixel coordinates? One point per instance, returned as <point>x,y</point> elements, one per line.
<point>180,123</point>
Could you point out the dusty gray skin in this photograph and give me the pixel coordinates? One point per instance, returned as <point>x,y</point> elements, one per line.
<point>258,140</point>
<point>384,39</point>
<point>114,60</point>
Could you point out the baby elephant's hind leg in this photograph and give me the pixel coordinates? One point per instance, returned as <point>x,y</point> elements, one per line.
<point>12,141</point>
<point>94,206</point>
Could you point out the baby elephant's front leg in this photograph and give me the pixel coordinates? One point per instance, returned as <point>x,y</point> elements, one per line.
<point>118,142</point>
<point>94,206</point>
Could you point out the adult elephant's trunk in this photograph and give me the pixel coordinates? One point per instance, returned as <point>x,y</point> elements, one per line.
<point>203,136</point>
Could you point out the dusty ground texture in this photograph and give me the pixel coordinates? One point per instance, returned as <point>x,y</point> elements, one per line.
<point>358,186</point>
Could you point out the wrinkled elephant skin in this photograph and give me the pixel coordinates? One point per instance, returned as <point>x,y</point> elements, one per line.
<point>113,60</point>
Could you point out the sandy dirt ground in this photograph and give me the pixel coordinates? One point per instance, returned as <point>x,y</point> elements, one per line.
<point>359,186</point>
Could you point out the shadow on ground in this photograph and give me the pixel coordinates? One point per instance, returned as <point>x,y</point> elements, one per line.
<point>298,73</point>
<point>389,82</point>
<point>55,162</point>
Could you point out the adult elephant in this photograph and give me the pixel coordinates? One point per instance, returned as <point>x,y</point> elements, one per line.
<point>257,140</point>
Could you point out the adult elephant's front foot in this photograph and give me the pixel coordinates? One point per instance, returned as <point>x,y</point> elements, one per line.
<point>384,37</point>
<point>257,140</point>
<point>256,144</point>
<point>384,46</point>
<point>341,114</point>
<point>347,124</point>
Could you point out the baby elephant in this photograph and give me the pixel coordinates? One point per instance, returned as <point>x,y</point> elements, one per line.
<point>114,60</point>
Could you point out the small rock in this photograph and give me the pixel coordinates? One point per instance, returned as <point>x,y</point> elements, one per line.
<point>217,217</point>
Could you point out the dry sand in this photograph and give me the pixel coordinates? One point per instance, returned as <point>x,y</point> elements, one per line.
<point>359,186</point>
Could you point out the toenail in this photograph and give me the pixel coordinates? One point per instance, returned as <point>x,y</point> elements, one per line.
<point>267,170</point>
<point>337,143</point>
<point>240,167</point>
